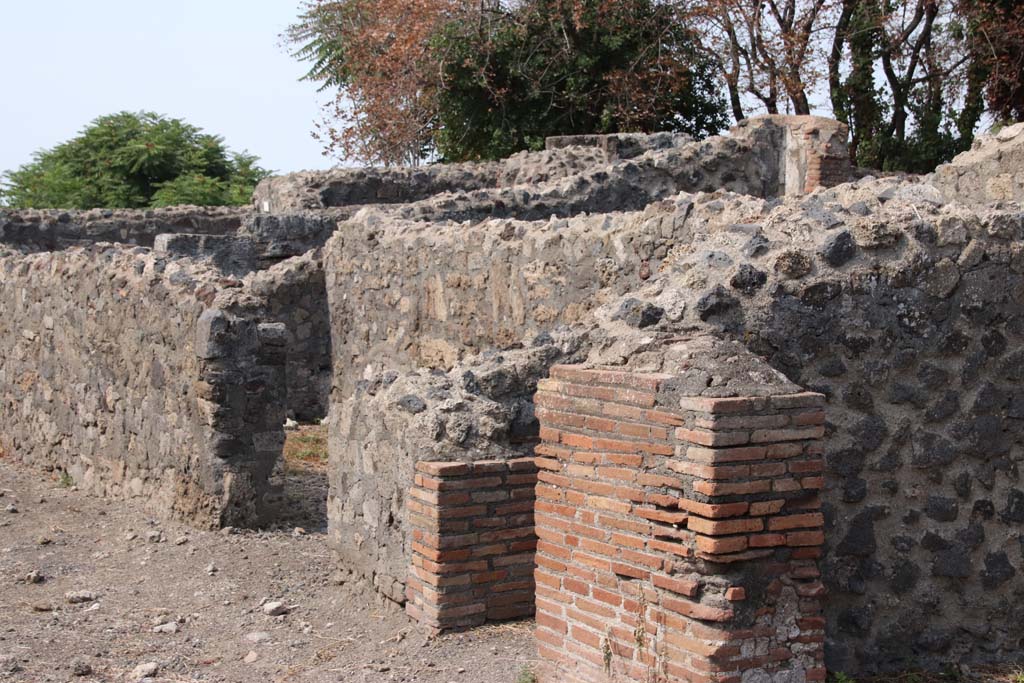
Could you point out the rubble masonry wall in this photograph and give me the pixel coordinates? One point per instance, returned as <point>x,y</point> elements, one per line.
<point>118,371</point>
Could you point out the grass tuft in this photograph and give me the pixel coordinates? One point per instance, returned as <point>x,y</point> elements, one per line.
<point>526,675</point>
<point>306,447</point>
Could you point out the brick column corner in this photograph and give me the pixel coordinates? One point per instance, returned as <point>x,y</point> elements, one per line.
<point>679,536</point>
<point>472,542</point>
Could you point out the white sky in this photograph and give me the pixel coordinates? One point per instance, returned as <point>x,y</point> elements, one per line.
<point>218,64</point>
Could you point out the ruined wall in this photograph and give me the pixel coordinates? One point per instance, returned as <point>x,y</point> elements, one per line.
<point>988,172</point>
<point>764,156</point>
<point>236,242</point>
<point>678,522</point>
<point>407,294</point>
<point>131,374</point>
<point>907,314</point>
<point>902,309</point>
<point>481,410</point>
<point>365,186</point>
<point>293,293</point>
<point>395,303</point>
<point>51,229</point>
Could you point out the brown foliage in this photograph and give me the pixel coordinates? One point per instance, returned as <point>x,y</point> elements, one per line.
<point>999,27</point>
<point>386,110</point>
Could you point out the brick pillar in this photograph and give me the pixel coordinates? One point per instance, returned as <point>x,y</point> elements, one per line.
<point>679,537</point>
<point>473,542</point>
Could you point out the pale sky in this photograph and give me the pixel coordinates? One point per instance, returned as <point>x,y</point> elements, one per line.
<point>218,64</point>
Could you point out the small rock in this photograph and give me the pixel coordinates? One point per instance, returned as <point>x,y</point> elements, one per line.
<point>12,508</point>
<point>181,540</point>
<point>257,636</point>
<point>169,627</point>
<point>298,531</point>
<point>290,425</point>
<point>839,249</point>
<point>43,540</point>
<point>275,609</point>
<point>155,537</point>
<point>748,279</point>
<point>412,404</point>
<point>941,279</point>
<point>715,302</point>
<point>81,668</point>
<point>251,657</point>
<point>228,530</point>
<point>636,313</point>
<point>144,671</point>
<point>9,664</point>
<point>793,264</point>
<point>130,536</point>
<point>77,597</point>
<point>34,577</point>
<point>211,569</point>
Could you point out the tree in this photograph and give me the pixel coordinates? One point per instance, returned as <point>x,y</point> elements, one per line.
<point>766,48</point>
<point>910,77</point>
<point>483,80</point>
<point>998,27</point>
<point>376,55</point>
<point>555,67</point>
<point>134,160</point>
<point>931,97</point>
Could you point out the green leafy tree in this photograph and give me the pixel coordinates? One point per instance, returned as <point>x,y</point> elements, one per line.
<point>478,80</point>
<point>134,160</point>
<point>554,67</point>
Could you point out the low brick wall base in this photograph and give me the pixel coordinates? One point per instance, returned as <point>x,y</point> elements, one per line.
<point>679,538</point>
<point>473,542</point>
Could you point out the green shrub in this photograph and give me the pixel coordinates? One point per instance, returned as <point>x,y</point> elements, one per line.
<point>133,160</point>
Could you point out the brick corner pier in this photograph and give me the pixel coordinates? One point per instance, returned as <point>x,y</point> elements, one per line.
<point>472,541</point>
<point>679,535</point>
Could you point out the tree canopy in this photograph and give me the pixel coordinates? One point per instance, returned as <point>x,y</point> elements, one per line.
<point>556,68</point>
<point>461,80</point>
<point>455,79</point>
<point>134,160</point>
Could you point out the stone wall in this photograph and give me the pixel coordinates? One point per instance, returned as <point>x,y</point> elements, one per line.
<point>397,305</point>
<point>481,410</point>
<point>988,172</point>
<point>236,242</point>
<point>52,229</point>
<point>679,533</point>
<point>765,156</point>
<point>293,293</point>
<point>903,309</point>
<point>312,190</point>
<point>133,375</point>
<point>906,313</point>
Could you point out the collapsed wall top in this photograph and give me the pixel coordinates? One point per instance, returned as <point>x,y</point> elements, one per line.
<point>764,156</point>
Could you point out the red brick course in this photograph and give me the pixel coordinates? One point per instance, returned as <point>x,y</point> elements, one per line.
<point>676,541</point>
<point>473,542</point>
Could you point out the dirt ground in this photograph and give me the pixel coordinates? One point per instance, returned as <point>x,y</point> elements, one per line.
<point>205,594</point>
<point>193,603</point>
